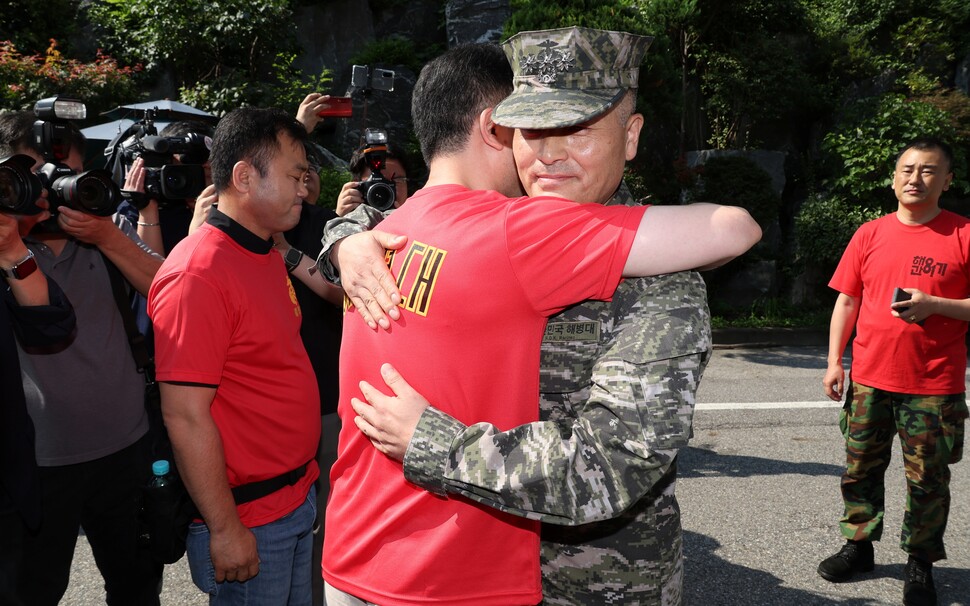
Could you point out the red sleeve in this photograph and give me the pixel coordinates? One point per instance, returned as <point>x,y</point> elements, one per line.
<point>847,278</point>
<point>549,238</point>
<point>193,326</point>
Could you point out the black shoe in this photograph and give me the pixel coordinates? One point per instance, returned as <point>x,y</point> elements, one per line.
<point>919,590</point>
<point>855,556</point>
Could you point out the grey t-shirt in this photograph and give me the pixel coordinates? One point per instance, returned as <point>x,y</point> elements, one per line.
<point>86,401</point>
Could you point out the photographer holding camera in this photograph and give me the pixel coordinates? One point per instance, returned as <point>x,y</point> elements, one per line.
<point>37,312</point>
<point>167,173</point>
<point>87,400</point>
<point>384,187</point>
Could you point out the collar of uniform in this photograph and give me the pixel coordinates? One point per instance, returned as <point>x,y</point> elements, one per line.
<point>237,232</point>
<point>623,197</point>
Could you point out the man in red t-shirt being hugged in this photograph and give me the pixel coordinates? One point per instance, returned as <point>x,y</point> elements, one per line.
<point>903,283</point>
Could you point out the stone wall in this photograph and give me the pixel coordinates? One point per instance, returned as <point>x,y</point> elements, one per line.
<point>331,34</point>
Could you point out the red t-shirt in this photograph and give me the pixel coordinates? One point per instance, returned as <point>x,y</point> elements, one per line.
<point>889,353</point>
<point>479,276</point>
<point>224,315</point>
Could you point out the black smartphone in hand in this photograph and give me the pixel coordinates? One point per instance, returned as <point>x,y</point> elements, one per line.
<point>901,295</point>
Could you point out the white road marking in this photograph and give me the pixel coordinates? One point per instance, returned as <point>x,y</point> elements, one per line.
<point>766,405</point>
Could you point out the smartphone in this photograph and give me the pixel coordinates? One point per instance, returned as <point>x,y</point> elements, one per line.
<point>340,107</point>
<point>901,295</point>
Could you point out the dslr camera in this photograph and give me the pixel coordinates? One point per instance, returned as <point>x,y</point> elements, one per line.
<point>91,191</point>
<point>165,181</point>
<point>378,191</point>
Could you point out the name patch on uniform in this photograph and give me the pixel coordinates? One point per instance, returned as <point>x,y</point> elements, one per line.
<point>571,331</point>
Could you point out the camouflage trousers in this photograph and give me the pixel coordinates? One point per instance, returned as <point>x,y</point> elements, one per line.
<point>930,430</point>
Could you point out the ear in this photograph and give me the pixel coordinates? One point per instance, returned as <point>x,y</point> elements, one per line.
<point>242,174</point>
<point>493,135</point>
<point>949,179</point>
<point>633,125</point>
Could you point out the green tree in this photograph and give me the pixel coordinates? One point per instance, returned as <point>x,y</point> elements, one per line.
<point>220,53</point>
<point>863,147</point>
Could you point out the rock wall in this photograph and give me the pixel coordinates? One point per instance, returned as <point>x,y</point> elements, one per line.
<point>332,33</point>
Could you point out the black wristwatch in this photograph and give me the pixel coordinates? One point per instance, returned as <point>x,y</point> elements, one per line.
<point>292,259</point>
<point>21,268</point>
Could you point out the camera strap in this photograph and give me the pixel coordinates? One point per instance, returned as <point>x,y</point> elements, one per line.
<point>136,340</point>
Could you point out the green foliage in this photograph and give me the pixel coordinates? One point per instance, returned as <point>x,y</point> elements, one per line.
<point>758,80</point>
<point>286,88</point>
<point>30,26</point>
<point>863,146</point>
<point>618,15</point>
<point>769,312</point>
<point>331,180</point>
<point>198,39</point>
<point>824,226</point>
<point>26,78</point>
<point>738,181</point>
<point>396,50</point>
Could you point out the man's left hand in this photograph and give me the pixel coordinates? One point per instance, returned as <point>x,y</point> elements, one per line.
<point>389,421</point>
<point>86,228</point>
<point>916,309</point>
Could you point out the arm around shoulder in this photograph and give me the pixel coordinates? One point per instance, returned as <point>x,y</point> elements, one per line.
<point>695,236</point>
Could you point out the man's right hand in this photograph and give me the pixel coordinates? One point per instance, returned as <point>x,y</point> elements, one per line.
<point>833,382</point>
<point>234,555</point>
<point>365,277</point>
<point>349,198</point>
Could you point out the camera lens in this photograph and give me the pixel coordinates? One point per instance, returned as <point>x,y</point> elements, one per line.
<point>175,181</point>
<point>380,195</point>
<point>92,192</point>
<point>9,189</point>
<point>19,188</point>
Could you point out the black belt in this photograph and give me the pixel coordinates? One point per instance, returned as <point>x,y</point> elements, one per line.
<point>257,490</point>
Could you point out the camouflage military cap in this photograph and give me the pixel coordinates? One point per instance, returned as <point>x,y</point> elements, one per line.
<point>568,76</point>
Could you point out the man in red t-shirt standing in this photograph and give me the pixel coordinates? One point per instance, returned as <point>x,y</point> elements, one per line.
<point>239,396</point>
<point>903,283</point>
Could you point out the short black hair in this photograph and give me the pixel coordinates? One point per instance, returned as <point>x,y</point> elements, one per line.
<point>927,143</point>
<point>17,133</point>
<point>358,163</point>
<point>250,134</point>
<point>452,91</point>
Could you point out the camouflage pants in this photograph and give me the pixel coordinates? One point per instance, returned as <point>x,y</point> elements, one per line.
<point>930,430</point>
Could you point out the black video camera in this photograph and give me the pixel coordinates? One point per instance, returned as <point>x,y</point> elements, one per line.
<point>91,191</point>
<point>166,182</point>
<point>377,191</point>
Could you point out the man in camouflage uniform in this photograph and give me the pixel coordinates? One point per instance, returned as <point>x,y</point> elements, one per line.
<point>617,378</point>
<point>903,284</point>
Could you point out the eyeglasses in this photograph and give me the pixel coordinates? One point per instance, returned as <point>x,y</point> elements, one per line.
<point>398,179</point>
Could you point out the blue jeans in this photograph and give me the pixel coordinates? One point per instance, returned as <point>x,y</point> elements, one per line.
<point>284,548</point>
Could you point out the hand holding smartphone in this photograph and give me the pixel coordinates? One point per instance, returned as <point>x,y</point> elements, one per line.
<point>339,107</point>
<point>901,295</point>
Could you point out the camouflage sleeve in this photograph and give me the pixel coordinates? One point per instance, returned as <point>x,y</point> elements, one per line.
<point>621,444</point>
<point>427,457</point>
<point>359,220</point>
<point>604,447</point>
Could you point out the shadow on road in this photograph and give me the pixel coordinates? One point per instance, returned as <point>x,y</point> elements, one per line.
<point>788,357</point>
<point>699,462</point>
<point>709,580</point>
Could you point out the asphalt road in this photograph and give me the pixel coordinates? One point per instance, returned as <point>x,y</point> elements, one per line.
<point>759,493</point>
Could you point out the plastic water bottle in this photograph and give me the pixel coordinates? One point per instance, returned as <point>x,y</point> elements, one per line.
<point>161,477</point>
<point>167,514</point>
